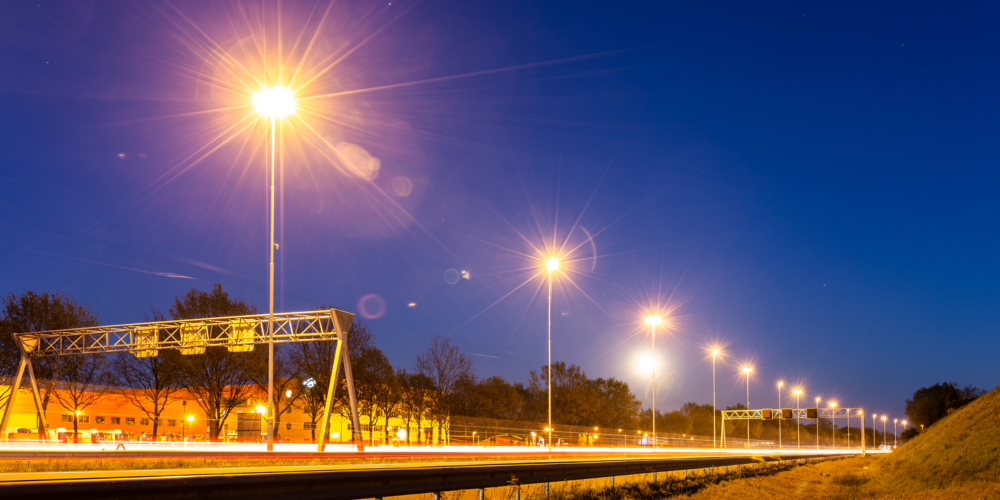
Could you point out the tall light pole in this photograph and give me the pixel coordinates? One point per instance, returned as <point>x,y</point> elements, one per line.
<point>895,435</point>
<point>883,430</point>
<point>833,431</point>
<point>715,352</point>
<point>874,421</point>
<point>779,409</point>
<point>551,265</point>
<point>817,423</point>
<point>798,420</point>
<point>272,103</point>
<point>652,321</point>
<point>746,372</point>
<point>848,428</point>
<point>861,417</point>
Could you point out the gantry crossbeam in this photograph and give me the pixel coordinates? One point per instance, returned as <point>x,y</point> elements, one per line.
<point>191,336</point>
<point>829,413</point>
<point>796,414</point>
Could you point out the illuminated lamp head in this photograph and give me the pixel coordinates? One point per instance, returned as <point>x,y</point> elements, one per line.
<point>274,102</point>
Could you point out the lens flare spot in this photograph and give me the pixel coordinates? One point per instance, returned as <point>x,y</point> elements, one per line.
<point>371,306</point>
<point>358,161</point>
<point>402,186</point>
<point>451,276</point>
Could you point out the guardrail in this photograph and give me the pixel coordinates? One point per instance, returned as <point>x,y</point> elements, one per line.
<point>348,483</point>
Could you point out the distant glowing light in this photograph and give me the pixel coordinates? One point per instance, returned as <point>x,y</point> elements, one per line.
<point>653,320</point>
<point>552,264</point>
<point>275,102</point>
<point>261,409</point>
<point>190,418</point>
<point>288,393</point>
<point>412,304</point>
<point>747,369</point>
<point>401,434</point>
<point>309,382</point>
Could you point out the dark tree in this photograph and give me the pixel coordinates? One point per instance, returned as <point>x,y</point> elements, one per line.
<point>372,373</point>
<point>35,312</point>
<point>445,364</point>
<point>221,380</point>
<point>149,383</point>
<point>417,391</point>
<point>930,404</point>
<point>82,383</point>
<point>674,422</point>
<point>617,405</point>
<point>573,400</point>
<point>701,418</point>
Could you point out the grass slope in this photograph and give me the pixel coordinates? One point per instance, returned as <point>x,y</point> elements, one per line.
<point>956,458</point>
<point>962,448</point>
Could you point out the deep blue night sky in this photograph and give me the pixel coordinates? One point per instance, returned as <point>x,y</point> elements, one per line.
<point>812,185</point>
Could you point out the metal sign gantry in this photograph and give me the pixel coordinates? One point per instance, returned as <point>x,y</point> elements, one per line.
<point>792,414</point>
<point>193,336</point>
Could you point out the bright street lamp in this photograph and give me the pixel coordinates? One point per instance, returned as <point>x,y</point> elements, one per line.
<point>551,264</point>
<point>184,423</point>
<point>833,425</point>
<point>895,435</point>
<point>715,352</point>
<point>817,423</point>
<point>883,430</point>
<point>746,372</point>
<point>874,421</point>
<point>798,419</point>
<point>652,321</point>
<point>272,103</point>
<point>779,409</point>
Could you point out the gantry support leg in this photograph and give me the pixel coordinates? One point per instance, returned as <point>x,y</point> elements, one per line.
<point>13,396</point>
<point>356,433</point>
<point>324,423</point>
<point>341,324</point>
<point>42,431</point>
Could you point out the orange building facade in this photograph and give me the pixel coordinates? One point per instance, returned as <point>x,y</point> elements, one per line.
<point>114,417</point>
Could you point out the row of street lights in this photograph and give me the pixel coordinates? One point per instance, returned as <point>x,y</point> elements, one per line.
<point>275,104</point>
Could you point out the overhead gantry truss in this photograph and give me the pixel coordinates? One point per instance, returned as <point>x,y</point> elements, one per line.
<point>191,337</point>
<point>791,414</point>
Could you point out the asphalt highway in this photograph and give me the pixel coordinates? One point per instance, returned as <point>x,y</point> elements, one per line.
<point>349,481</point>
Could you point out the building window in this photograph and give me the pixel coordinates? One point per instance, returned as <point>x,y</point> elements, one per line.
<point>308,426</point>
<point>143,421</point>
<point>171,423</point>
<point>129,421</point>
<point>67,418</point>
<point>116,420</point>
<point>98,420</point>
<point>84,418</point>
<point>288,426</point>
